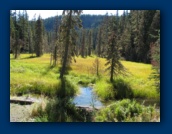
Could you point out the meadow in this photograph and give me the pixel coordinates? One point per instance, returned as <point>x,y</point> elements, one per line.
<point>35,76</point>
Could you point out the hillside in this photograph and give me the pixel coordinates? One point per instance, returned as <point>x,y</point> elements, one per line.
<point>88,21</point>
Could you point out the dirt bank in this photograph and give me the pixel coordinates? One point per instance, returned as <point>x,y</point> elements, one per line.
<point>20,113</point>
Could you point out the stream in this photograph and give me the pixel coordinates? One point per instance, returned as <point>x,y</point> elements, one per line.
<point>20,113</point>
<point>87,98</point>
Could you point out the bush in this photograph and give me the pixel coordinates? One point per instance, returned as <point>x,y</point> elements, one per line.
<point>60,110</point>
<point>67,88</point>
<point>122,89</point>
<point>118,89</point>
<point>127,110</point>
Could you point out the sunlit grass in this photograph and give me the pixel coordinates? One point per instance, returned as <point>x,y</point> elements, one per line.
<point>26,70</point>
<point>104,90</point>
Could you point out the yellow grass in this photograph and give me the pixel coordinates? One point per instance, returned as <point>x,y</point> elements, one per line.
<point>37,69</point>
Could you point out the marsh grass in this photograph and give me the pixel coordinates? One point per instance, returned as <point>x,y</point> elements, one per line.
<point>35,75</point>
<point>104,89</point>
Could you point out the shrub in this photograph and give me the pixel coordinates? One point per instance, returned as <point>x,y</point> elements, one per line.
<point>127,110</point>
<point>122,89</point>
<point>60,110</point>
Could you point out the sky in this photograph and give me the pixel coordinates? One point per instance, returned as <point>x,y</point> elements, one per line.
<point>51,13</point>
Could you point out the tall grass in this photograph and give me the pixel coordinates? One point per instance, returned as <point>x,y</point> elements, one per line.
<point>33,76</point>
<point>104,89</point>
<point>36,75</point>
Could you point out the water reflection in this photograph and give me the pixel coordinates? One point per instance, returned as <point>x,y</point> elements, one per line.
<point>87,98</point>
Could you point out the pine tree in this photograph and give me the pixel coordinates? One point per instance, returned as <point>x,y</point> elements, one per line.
<point>70,21</point>
<point>30,40</point>
<point>155,27</point>
<point>17,43</point>
<point>56,41</point>
<point>155,56</point>
<point>32,35</point>
<point>114,65</point>
<point>83,44</point>
<point>12,34</point>
<point>23,30</point>
<point>99,42</point>
<point>39,37</point>
<point>144,46</point>
<point>104,36</point>
<point>89,42</point>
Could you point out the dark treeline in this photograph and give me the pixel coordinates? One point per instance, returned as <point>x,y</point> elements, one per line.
<point>135,34</point>
<point>88,21</point>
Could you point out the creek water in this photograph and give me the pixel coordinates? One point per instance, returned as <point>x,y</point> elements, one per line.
<point>87,98</point>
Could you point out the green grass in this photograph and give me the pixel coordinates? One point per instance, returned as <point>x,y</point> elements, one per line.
<point>104,89</point>
<point>35,75</point>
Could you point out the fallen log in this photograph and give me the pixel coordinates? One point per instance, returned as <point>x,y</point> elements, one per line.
<point>87,108</point>
<point>22,102</point>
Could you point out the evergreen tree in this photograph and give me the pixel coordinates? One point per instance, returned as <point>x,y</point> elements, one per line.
<point>83,44</point>
<point>155,56</point>
<point>70,21</point>
<point>39,37</point>
<point>17,43</point>
<point>89,42</point>
<point>30,40</point>
<point>155,27</point>
<point>12,34</point>
<point>144,46</point>
<point>99,42</point>
<point>104,37</point>
<point>114,65</point>
<point>32,35</point>
<point>56,41</point>
<point>23,30</point>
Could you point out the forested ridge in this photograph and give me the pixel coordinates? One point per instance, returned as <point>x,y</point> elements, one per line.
<point>136,31</point>
<point>88,21</point>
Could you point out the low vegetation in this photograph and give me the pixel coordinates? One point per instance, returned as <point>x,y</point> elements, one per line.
<point>36,76</point>
<point>127,111</point>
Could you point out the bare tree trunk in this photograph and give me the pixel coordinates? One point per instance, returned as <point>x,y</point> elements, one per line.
<point>55,56</point>
<point>97,66</point>
<point>112,70</point>
<point>51,59</point>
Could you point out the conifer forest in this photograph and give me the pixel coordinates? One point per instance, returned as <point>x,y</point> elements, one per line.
<point>77,67</point>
